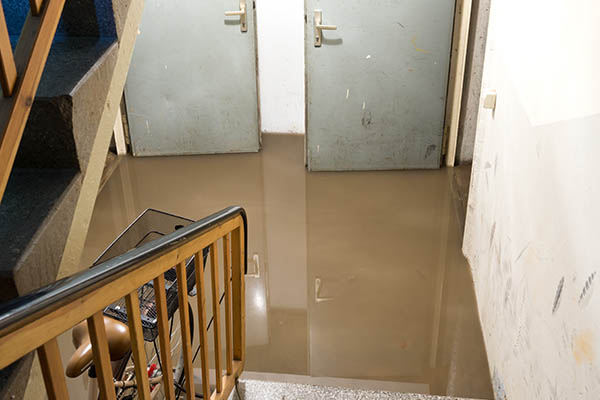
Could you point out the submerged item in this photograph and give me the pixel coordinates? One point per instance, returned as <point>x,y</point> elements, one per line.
<point>117,335</point>
<point>150,225</point>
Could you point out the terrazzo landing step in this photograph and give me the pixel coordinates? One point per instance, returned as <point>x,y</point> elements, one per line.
<point>264,390</point>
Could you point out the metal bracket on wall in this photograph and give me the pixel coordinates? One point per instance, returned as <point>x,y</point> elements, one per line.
<point>242,13</point>
<point>489,100</point>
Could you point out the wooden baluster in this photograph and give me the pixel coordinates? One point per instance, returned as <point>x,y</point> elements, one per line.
<point>214,273</point>
<point>238,286</point>
<point>201,297</point>
<point>186,342</point>
<point>163,335</point>
<point>134,320</point>
<point>52,370</point>
<point>36,6</point>
<point>227,283</point>
<point>101,356</point>
<point>8,70</point>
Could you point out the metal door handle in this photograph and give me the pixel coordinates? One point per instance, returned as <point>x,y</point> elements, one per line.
<point>319,27</point>
<point>241,13</point>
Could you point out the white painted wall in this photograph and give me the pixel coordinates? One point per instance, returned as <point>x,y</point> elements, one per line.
<point>280,30</point>
<point>532,233</point>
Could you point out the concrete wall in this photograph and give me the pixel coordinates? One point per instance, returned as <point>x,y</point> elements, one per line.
<point>280,31</point>
<point>532,226</point>
<point>480,12</point>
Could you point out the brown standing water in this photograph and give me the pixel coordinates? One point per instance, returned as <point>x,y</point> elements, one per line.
<point>354,275</point>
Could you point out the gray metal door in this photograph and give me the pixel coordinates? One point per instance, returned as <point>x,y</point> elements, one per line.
<point>376,86</point>
<point>191,88</point>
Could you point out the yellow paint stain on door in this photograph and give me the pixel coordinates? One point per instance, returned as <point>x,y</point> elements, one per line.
<point>414,43</point>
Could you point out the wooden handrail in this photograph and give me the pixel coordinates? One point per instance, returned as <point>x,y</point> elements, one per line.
<point>33,322</point>
<point>20,83</point>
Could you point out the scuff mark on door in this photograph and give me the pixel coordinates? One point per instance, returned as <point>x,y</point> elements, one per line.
<point>366,119</point>
<point>430,149</point>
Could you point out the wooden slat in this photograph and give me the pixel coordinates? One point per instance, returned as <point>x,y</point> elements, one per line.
<point>201,298</point>
<point>101,356</point>
<point>216,294</point>
<point>15,343</point>
<point>227,283</point>
<point>163,336</point>
<point>14,111</point>
<point>229,382</point>
<point>8,70</point>
<point>36,6</point>
<point>134,320</point>
<point>238,288</point>
<point>186,340</point>
<point>52,370</point>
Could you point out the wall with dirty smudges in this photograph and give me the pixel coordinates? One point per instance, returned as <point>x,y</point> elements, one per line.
<point>533,224</point>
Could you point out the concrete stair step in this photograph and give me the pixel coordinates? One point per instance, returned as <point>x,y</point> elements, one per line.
<point>69,98</point>
<point>35,213</point>
<point>79,17</point>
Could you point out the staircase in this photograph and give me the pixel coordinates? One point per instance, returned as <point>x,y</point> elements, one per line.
<point>37,209</point>
<point>53,179</point>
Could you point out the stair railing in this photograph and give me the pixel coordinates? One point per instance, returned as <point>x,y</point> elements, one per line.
<point>34,321</point>
<point>20,75</point>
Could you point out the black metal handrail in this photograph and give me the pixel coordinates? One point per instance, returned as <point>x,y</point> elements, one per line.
<point>21,310</point>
